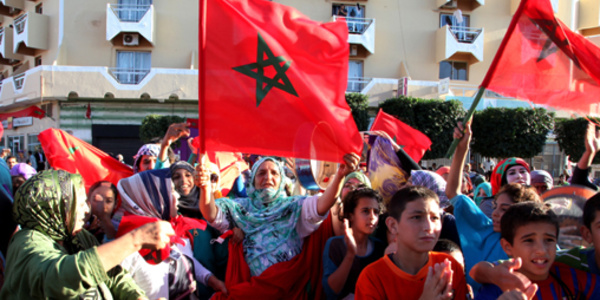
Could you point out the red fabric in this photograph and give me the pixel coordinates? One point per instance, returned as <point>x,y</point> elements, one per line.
<point>32,111</point>
<point>415,142</point>
<point>181,226</point>
<point>542,61</point>
<point>66,152</point>
<point>88,112</point>
<point>310,120</point>
<point>299,278</point>
<point>1,130</point>
<point>500,170</point>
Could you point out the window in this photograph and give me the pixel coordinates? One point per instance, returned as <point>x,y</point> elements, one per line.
<point>132,66</point>
<point>38,61</point>
<point>2,143</point>
<point>38,9</point>
<point>461,30</point>
<point>452,20</point>
<point>16,67</point>
<point>16,143</point>
<point>132,10</point>
<point>455,70</point>
<point>32,142</point>
<point>47,108</point>
<point>354,15</point>
<point>355,76</point>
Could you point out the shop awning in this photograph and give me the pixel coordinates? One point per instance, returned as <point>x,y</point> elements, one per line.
<point>32,111</point>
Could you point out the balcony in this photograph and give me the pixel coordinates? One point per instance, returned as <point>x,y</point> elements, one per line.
<point>457,40</point>
<point>11,8</point>
<point>128,76</point>
<point>6,47</point>
<point>378,89</point>
<point>361,31</point>
<point>465,5</point>
<point>589,17</point>
<point>31,34</point>
<point>130,19</point>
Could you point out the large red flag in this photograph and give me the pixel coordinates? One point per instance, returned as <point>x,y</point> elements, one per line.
<point>66,152</point>
<point>275,82</point>
<point>542,61</point>
<point>414,142</point>
<point>32,111</point>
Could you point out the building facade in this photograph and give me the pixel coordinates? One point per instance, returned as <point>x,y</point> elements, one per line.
<point>112,61</point>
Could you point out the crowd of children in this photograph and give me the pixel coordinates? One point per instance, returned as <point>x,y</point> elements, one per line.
<point>438,237</point>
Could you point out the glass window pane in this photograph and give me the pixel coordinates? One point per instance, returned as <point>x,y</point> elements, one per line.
<point>445,70</point>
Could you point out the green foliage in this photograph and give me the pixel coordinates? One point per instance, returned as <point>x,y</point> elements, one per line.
<point>155,126</point>
<point>570,135</point>
<point>507,132</point>
<point>359,105</point>
<point>434,118</point>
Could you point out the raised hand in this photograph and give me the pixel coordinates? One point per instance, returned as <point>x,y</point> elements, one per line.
<point>438,284</point>
<point>349,239</point>
<point>156,235</point>
<point>350,164</point>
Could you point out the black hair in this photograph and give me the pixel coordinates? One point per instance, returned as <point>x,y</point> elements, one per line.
<point>395,207</point>
<point>447,246</point>
<point>98,183</point>
<point>589,210</point>
<point>525,213</point>
<point>350,202</point>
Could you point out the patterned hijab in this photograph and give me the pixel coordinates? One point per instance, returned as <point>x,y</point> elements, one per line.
<point>47,202</point>
<point>148,149</point>
<point>432,181</point>
<point>499,173</point>
<point>149,194</point>
<point>360,176</point>
<point>268,218</point>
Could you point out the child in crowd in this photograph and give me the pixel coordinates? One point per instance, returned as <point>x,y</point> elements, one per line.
<point>451,248</point>
<point>413,271</point>
<point>581,258</point>
<point>479,234</point>
<point>346,256</point>
<point>529,233</point>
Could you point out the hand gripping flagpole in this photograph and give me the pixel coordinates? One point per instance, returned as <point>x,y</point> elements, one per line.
<point>468,116</point>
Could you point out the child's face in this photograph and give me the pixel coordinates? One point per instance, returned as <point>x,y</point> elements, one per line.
<point>365,216</point>
<point>592,235</point>
<point>500,206</point>
<point>535,244</point>
<point>419,226</point>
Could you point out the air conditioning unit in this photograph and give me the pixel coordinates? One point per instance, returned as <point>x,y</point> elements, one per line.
<point>353,50</point>
<point>131,39</point>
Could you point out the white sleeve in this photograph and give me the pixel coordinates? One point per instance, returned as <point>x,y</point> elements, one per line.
<point>310,220</point>
<point>220,222</point>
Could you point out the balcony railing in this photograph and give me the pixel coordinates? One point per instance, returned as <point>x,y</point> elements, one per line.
<point>130,13</point>
<point>465,34</point>
<point>356,25</point>
<point>357,84</point>
<point>128,76</point>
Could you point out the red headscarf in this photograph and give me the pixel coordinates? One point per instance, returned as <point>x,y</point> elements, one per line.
<point>499,174</point>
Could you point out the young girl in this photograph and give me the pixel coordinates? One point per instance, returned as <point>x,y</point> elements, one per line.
<point>346,256</point>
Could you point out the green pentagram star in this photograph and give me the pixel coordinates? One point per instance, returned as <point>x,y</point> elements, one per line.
<point>256,70</point>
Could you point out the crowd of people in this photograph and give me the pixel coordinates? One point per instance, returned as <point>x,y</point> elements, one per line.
<point>168,232</point>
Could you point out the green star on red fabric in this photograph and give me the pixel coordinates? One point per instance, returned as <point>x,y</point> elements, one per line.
<point>266,58</point>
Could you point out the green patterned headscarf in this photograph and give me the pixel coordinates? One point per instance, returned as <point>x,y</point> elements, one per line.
<point>47,202</point>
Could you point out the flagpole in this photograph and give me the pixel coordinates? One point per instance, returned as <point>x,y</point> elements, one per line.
<point>202,75</point>
<point>466,119</point>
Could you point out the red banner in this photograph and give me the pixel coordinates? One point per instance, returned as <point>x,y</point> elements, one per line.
<point>413,142</point>
<point>32,111</point>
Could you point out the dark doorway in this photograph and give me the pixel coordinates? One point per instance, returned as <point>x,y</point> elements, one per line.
<point>115,139</point>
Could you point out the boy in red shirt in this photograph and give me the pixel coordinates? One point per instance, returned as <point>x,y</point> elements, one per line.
<point>414,271</point>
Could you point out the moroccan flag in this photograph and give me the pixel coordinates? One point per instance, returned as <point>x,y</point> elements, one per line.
<point>88,112</point>
<point>66,152</point>
<point>413,142</point>
<point>275,82</point>
<point>542,61</point>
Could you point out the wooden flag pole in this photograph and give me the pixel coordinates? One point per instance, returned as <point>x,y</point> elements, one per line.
<point>468,116</point>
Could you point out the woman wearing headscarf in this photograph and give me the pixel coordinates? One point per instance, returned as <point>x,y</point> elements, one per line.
<point>510,170</point>
<point>210,254</point>
<point>19,173</point>
<point>483,190</point>
<point>351,182</point>
<point>274,224</point>
<point>170,275</point>
<point>52,257</point>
